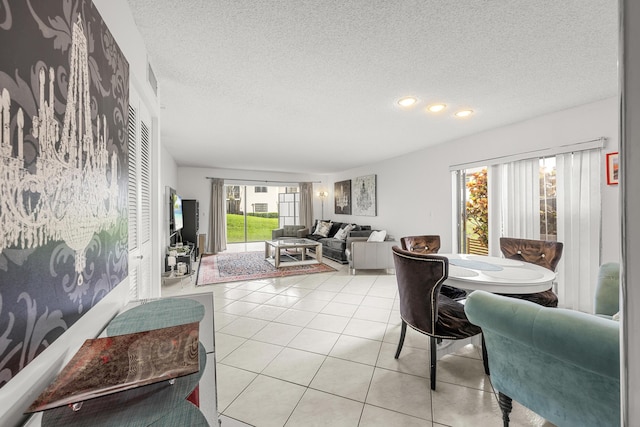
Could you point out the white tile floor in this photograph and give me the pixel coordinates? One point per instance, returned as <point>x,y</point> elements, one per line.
<point>318,350</point>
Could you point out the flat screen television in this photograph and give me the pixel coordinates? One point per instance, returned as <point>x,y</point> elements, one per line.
<point>177,213</point>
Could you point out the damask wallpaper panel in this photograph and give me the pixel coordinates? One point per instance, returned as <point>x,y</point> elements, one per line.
<point>64,97</point>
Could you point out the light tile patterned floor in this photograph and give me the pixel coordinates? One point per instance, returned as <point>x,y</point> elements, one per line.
<point>318,350</point>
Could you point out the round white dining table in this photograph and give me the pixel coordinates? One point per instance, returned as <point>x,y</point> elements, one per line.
<point>497,275</point>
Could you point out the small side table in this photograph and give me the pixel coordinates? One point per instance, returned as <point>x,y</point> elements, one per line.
<point>160,404</point>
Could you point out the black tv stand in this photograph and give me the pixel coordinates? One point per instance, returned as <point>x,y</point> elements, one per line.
<point>186,254</point>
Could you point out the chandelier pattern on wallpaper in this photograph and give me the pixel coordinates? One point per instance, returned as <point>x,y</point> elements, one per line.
<point>70,197</point>
<point>363,199</point>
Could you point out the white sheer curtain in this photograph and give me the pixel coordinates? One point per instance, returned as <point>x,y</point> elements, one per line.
<point>514,201</point>
<point>518,206</point>
<point>520,193</point>
<point>306,204</point>
<point>217,218</point>
<point>579,227</point>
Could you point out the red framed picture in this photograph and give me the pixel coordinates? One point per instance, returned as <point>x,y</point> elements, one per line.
<point>613,167</point>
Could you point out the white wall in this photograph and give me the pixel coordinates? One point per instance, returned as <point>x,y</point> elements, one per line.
<point>168,177</point>
<point>414,191</point>
<point>168,170</point>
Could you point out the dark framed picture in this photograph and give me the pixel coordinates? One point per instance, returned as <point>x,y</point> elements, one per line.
<point>342,194</point>
<point>613,166</point>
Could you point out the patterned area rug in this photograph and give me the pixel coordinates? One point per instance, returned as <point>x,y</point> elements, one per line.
<point>239,266</point>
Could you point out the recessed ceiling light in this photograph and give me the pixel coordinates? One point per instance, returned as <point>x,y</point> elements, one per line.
<point>436,108</point>
<point>407,101</point>
<point>464,113</point>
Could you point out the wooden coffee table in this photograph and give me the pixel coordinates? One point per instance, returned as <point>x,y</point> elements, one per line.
<point>278,252</point>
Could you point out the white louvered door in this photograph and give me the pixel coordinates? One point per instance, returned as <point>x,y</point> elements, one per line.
<point>139,199</point>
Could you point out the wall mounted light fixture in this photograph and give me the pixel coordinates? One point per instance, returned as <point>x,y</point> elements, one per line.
<point>323,195</point>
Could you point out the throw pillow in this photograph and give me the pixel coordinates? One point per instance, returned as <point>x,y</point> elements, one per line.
<point>349,228</point>
<point>343,233</point>
<point>323,228</point>
<point>377,236</point>
<point>340,234</point>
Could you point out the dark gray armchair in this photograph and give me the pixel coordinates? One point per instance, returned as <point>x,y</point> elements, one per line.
<point>296,231</point>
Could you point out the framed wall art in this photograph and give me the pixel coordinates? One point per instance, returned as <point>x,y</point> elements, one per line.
<point>364,195</point>
<point>64,86</point>
<point>342,194</point>
<point>613,165</point>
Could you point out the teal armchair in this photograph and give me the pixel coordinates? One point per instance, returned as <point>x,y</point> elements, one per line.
<point>607,298</point>
<point>562,364</point>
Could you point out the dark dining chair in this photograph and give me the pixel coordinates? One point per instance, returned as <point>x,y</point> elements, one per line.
<point>427,244</point>
<point>540,252</point>
<point>423,307</point>
<point>430,244</point>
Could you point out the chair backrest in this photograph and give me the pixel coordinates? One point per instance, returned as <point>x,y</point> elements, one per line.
<point>419,277</point>
<point>421,244</point>
<point>607,297</point>
<point>541,252</point>
<point>291,230</point>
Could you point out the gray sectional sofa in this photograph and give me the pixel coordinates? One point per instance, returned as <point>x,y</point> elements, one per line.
<point>333,248</point>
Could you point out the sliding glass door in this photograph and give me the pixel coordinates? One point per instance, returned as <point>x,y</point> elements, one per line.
<point>552,198</point>
<point>472,211</point>
<point>253,211</point>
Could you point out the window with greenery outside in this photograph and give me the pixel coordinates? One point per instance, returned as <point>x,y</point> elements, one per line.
<point>548,213</point>
<point>477,209</point>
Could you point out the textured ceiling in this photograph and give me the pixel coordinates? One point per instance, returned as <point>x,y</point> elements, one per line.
<point>311,85</point>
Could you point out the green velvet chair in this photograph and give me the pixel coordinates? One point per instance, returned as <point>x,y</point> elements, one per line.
<point>607,298</point>
<point>562,364</point>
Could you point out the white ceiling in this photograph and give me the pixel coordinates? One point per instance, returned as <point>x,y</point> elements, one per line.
<point>310,85</point>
